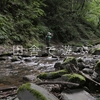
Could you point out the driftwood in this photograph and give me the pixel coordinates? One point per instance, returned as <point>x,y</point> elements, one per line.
<point>58,82</point>
<point>86,76</point>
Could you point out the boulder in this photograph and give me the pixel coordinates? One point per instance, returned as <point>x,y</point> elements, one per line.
<point>30,91</point>
<point>97,67</point>
<point>88,70</point>
<point>52,75</point>
<point>97,70</point>
<point>96,51</point>
<point>77,95</point>
<point>29,78</point>
<point>58,66</point>
<point>70,60</point>
<point>15,58</point>
<point>75,78</point>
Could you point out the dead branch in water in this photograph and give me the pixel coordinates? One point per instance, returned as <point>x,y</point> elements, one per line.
<point>86,76</point>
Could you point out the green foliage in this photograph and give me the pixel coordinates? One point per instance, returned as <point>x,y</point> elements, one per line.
<point>4,26</point>
<point>64,17</point>
<point>92,12</point>
<point>22,21</point>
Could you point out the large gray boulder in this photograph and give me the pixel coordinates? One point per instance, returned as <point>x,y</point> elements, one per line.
<point>77,95</point>
<point>31,91</point>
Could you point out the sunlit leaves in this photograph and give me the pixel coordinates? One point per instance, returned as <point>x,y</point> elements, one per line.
<point>92,13</point>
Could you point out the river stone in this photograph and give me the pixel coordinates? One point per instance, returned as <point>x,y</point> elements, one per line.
<point>96,51</point>
<point>26,94</point>
<point>29,78</point>
<point>88,70</point>
<point>77,95</point>
<point>58,66</point>
<point>16,99</point>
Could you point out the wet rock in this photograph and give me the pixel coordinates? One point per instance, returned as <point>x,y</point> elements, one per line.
<point>16,99</point>
<point>15,58</point>
<point>85,48</point>
<point>75,78</point>
<point>94,75</point>
<point>51,58</point>
<point>88,70</point>
<point>2,58</point>
<point>44,55</point>
<point>77,95</point>
<point>70,60</point>
<point>97,67</point>
<point>52,75</point>
<point>6,54</point>
<point>31,91</point>
<point>58,66</point>
<point>68,64</point>
<point>29,78</point>
<point>81,65</point>
<point>77,49</point>
<point>97,70</point>
<point>28,60</point>
<point>96,51</point>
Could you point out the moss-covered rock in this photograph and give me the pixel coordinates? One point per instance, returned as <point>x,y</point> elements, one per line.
<point>98,99</point>
<point>97,67</point>
<point>27,87</point>
<point>70,60</point>
<point>58,66</point>
<point>96,51</point>
<point>15,58</point>
<point>31,91</point>
<point>52,75</point>
<point>76,78</point>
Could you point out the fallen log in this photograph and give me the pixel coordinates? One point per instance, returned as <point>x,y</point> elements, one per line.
<point>58,82</point>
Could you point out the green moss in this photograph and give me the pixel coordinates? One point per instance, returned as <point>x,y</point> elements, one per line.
<point>52,74</point>
<point>70,60</point>
<point>98,99</point>
<point>74,76</point>
<point>42,75</point>
<point>58,73</point>
<point>96,51</point>
<point>97,66</point>
<point>24,86</point>
<point>33,91</point>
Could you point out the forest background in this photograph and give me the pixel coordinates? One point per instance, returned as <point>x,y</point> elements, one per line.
<point>26,22</point>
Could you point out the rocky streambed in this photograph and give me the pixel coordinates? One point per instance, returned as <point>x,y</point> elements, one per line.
<point>18,70</point>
